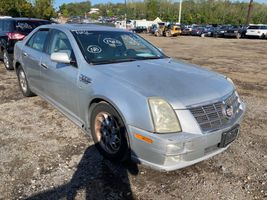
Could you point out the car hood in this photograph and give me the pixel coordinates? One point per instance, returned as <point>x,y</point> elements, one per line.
<point>180,83</point>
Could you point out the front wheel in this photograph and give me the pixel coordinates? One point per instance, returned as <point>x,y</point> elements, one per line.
<point>109,132</point>
<point>168,34</point>
<point>23,83</point>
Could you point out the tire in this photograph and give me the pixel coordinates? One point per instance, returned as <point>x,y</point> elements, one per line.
<point>238,36</point>
<point>23,83</point>
<point>109,132</point>
<point>262,36</point>
<point>168,34</point>
<point>7,60</point>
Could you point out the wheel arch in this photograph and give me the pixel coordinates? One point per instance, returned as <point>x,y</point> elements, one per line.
<point>99,99</point>
<point>17,64</point>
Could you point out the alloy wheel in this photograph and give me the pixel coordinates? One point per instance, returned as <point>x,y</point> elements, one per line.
<point>107,132</point>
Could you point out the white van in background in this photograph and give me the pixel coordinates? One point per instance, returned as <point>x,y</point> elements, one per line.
<point>257,30</point>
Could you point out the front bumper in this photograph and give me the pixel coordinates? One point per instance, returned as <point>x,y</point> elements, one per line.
<point>173,151</point>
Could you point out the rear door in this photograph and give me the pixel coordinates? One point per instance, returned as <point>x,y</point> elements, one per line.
<point>32,54</point>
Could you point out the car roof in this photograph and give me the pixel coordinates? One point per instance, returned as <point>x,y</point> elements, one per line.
<point>22,18</point>
<point>82,27</point>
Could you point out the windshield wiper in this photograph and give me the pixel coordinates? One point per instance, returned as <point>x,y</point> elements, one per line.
<point>113,61</point>
<point>147,57</point>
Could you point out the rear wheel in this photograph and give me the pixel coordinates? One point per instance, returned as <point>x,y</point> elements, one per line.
<point>109,132</point>
<point>7,60</point>
<point>23,83</point>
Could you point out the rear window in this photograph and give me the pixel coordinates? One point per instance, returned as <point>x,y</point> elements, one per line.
<point>27,26</point>
<point>254,27</point>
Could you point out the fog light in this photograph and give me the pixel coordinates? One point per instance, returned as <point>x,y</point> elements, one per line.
<point>174,149</point>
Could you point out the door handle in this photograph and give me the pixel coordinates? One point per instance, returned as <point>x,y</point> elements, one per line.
<point>25,54</point>
<point>44,66</point>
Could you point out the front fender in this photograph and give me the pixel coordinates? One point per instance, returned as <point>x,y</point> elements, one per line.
<point>130,104</point>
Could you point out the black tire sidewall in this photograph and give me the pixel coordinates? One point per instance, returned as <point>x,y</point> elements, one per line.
<point>9,66</point>
<point>123,152</point>
<point>28,93</point>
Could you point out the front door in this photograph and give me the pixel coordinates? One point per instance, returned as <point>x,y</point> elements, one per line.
<point>60,80</point>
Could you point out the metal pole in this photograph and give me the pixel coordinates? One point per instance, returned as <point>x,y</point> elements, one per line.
<point>250,6</point>
<point>180,11</point>
<point>125,15</point>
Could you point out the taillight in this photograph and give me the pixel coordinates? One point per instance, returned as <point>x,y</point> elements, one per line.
<point>15,36</point>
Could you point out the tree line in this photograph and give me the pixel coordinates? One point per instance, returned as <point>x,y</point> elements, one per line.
<point>25,8</point>
<point>193,11</point>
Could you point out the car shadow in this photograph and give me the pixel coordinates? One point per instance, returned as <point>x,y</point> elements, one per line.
<point>97,178</point>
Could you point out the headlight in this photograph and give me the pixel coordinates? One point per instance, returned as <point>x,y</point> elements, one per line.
<point>230,80</point>
<point>164,117</point>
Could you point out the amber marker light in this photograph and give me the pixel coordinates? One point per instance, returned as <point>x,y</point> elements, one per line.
<point>141,137</point>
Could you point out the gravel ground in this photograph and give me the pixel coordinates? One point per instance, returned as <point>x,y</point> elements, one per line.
<point>44,156</point>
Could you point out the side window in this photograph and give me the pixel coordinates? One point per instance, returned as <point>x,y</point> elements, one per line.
<point>7,25</point>
<point>37,41</point>
<point>1,25</point>
<point>59,42</point>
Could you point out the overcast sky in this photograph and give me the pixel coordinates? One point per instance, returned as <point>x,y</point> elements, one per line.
<point>59,2</point>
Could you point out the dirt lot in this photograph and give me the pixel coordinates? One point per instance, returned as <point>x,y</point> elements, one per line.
<point>44,156</point>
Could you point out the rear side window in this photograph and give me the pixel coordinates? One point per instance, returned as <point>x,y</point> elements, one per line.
<point>8,25</point>
<point>37,41</point>
<point>26,26</point>
<point>1,25</point>
<point>264,27</point>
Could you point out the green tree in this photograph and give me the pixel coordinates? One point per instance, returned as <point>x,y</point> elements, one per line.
<point>44,9</point>
<point>75,9</point>
<point>16,8</point>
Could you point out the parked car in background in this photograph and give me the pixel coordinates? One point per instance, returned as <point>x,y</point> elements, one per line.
<point>13,30</point>
<point>203,31</point>
<point>197,30</point>
<point>220,30</point>
<point>258,30</point>
<point>208,31</point>
<point>135,101</point>
<point>236,31</point>
<point>186,31</point>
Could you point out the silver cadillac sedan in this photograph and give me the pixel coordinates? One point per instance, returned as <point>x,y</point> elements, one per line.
<point>135,101</point>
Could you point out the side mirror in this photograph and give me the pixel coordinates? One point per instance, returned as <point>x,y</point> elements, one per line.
<point>60,57</point>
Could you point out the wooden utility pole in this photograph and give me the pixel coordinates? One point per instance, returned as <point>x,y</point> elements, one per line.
<point>250,7</point>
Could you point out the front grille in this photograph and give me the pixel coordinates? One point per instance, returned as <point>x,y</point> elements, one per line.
<point>211,117</point>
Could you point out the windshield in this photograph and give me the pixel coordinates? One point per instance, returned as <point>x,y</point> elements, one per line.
<point>103,47</point>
